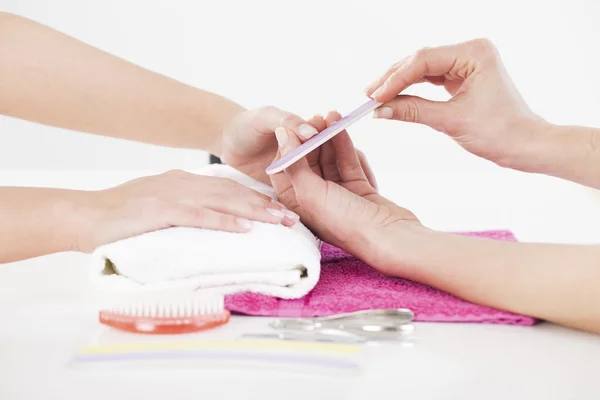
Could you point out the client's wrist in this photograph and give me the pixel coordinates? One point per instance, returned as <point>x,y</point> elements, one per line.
<point>394,249</point>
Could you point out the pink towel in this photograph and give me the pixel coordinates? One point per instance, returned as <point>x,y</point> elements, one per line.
<point>347,284</point>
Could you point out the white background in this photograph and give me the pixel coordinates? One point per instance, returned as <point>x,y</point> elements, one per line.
<point>312,56</point>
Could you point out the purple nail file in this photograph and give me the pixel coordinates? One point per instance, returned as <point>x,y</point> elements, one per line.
<point>322,137</point>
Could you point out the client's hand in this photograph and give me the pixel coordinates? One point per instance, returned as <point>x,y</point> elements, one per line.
<point>248,141</point>
<point>486,115</point>
<point>336,200</point>
<point>176,198</point>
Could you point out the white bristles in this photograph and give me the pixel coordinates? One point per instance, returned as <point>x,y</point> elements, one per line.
<point>169,304</point>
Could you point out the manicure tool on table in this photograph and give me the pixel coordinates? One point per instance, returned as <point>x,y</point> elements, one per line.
<point>355,327</point>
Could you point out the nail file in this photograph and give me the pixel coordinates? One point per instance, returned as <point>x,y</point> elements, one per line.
<point>322,137</point>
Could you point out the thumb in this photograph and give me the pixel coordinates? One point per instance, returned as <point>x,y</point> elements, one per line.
<point>306,183</point>
<point>416,109</point>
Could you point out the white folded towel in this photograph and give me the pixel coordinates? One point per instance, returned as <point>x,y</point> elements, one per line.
<point>270,259</point>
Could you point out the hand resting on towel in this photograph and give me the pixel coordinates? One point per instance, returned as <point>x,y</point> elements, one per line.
<point>37,221</point>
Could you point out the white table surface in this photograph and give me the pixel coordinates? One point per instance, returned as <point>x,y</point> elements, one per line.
<point>48,312</point>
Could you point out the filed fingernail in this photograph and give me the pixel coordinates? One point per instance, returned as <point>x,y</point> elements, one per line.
<point>291,215</point>
<point>275,213</point>
<point>383,112</point>
<point>307,131</point>
<point>282,136</point>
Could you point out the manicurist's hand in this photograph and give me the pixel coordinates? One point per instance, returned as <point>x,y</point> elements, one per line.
<point>38,221</point>
<point>334,197</point>
<point>486,114</point>
<point>178,198</point>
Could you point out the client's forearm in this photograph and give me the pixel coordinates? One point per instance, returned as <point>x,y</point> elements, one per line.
<point>568,152</point>
<point>558,283</point>
<point>39,221</point>
<point>51,78</point>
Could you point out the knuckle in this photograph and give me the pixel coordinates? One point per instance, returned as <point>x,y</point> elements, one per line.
<point>226,220</point>
<point>393,68</point>
<point>289,120</point>
<point>261,197</point>
<point>483,46</point>
<point>390,70</point>
<point>422,53</point>
<point>195,215</point>
<point>397,78</point>
<point>483,43</point>
<point>260,208</point>
<point>409,111</point>
<point>197,212</point>
<point>268,109</point>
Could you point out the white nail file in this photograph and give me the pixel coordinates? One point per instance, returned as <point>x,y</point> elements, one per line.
<point>322,137</point>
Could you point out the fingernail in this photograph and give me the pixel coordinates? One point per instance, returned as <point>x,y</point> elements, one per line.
<point>244,223</point>
<point>378,92</point>
<point>307,131</point>
<point>291,215</point>
<point>282,136</point>
<point>383,112</point>
<point>275,213</point>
